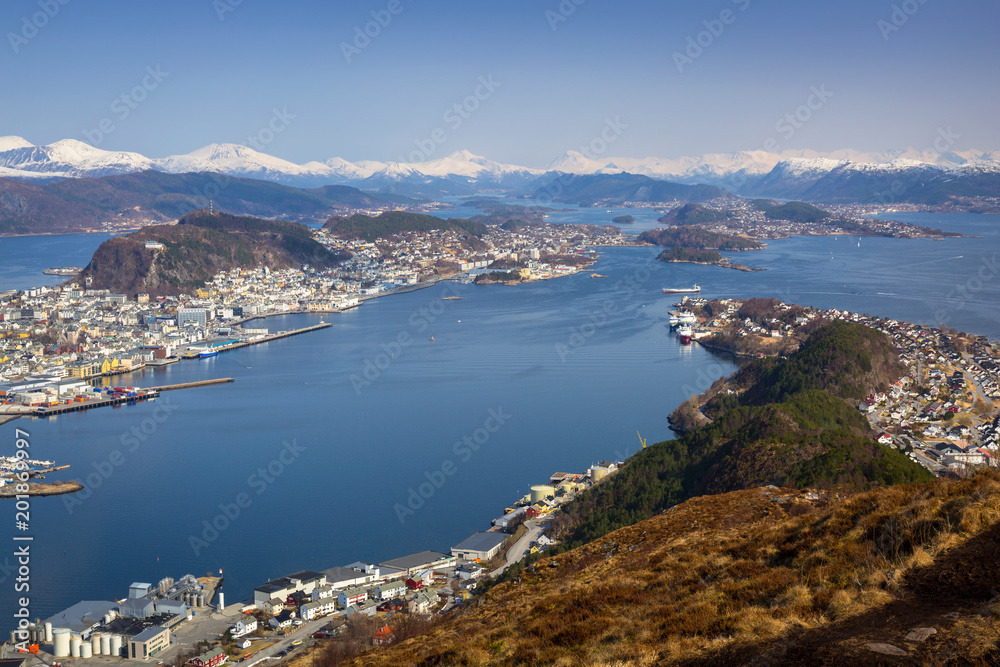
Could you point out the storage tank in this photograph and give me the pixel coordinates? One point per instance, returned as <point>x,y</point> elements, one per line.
<point>86,651</point>
<point>201,600</point>
<point>60,642</point>
<point>541,492</point>
<point>95,643</point>
<point>48,632</point>
<point>598,473</point>
<point>74,646</point>
<point>105,644</point>
<point>116,645</point>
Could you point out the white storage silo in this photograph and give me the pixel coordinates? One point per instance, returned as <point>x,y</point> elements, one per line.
<point>116,645</point>
<point>105,644</point>
<point>74,646</point>
<point>598,473</point>
<point>95,643</point>
<point>48,632</point>
<point>60,642</point>
<point>86,650</point>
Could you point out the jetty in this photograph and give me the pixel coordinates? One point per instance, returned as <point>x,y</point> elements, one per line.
<point>190,385</point>
<point>194,351</point>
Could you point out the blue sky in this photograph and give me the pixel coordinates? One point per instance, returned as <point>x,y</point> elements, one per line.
<point>559,69</point>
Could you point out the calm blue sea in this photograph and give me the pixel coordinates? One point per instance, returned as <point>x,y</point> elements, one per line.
<point>323,453</point>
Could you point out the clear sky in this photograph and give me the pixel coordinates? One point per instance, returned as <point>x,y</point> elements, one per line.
<point>560,70</point>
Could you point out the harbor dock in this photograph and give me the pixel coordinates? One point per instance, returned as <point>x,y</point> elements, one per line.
<point>190,385</point>
<point>196,351</point>
<point>111,399</point>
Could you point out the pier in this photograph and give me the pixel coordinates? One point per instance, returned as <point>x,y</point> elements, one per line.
<point>190,385</point>
<point>146,395</point>
<point>189,354</point>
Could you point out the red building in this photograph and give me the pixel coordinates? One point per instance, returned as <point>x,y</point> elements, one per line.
<point>414,584</point>
<point>209,659</point>
<point>383,636</point>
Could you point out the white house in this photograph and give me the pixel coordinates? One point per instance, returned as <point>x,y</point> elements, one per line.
<point>322,592</point>
<point>244,626</point>
<point>351,596</point>
<point>389,591</point>
<point>311,610</point>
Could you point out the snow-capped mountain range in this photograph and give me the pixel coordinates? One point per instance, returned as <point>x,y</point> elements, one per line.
<point>744,171</point>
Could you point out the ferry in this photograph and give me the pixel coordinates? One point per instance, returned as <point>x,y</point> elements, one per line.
<point>682,290</point>
<point>677,319</point>
<point>684,334</point>
<point>207,353</point>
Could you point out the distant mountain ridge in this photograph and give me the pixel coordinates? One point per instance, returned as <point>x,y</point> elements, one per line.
<point>834,176</point>
<point>85,204</point>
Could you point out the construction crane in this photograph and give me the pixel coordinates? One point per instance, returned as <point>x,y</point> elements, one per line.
<point>641,440</point>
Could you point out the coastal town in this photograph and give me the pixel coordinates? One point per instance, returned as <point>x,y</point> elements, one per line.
<point>51,334</point>
<point>187,621</point>
<point>944,413</point>
<point>67,347</point>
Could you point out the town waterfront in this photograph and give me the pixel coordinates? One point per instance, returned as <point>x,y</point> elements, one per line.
<point>328,432</point>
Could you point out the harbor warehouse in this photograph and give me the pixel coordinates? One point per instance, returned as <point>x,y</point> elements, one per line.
<point>481,546</point>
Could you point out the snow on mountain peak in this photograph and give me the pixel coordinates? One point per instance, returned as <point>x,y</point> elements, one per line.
<point>73,158</point>
<point>11,142</point>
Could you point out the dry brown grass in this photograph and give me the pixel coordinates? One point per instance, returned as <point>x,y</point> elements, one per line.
<point>692,582</point>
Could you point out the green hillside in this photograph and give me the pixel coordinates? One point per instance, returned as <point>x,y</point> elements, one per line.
<point>795,422</point>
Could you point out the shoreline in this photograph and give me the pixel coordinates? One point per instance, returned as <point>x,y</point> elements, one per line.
<point>41,489</point>
<point>722,264</point>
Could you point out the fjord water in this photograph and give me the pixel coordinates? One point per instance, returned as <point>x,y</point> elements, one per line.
<point>573,367</point>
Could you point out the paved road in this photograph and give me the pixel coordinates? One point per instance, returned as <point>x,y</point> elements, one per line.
<point>304,632</point>
<point>518,551</point>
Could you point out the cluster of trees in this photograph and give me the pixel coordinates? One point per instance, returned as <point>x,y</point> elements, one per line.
<point>793,211</point>
<point>199,246</point>
<point>356,637</point>
<point>793,425</point>
<point>679,254</point>
<point>762,310</point>
<point>693,214</point>
<point>696,237</point>
<point>368,228</point>
<point>496,277</point>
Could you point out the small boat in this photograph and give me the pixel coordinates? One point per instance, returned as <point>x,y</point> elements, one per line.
<point>682,290</point>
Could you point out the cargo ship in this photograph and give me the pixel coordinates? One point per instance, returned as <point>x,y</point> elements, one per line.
<point>682,290</point>
<point>684,334</point>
